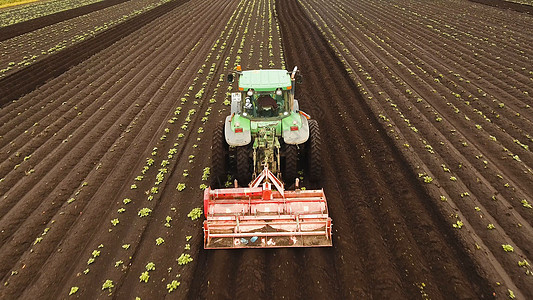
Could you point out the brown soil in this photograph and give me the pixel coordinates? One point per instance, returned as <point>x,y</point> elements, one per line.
<point>29,78</point>
<point>439,93</point>
<point>139,102</point>
<point>33,24</point>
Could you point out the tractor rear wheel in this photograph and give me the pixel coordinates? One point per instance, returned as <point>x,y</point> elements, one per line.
<point>219,157</point>
<point>244,165</point>
<point>290,170</point>
<point>314,149</point>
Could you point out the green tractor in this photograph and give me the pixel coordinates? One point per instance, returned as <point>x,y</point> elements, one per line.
<point>266,128</point>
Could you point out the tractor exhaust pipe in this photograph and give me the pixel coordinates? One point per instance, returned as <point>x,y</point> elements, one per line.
<point>294,72</point>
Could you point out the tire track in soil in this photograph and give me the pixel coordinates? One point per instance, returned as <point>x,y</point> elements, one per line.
<point>280,265</point>
<point>397,185</point>
<point>252,266</point>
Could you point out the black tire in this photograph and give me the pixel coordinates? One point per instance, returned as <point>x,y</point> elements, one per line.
<point>219,157</point>
<point>244,165</point>
<point>314,152</point>
<point>290,170</point>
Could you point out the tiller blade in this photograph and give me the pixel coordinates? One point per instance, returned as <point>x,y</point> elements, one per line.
<point>258,217</point>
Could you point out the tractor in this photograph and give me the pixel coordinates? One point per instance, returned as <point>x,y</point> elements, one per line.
<point>264,142</point>
<point>266,127</point>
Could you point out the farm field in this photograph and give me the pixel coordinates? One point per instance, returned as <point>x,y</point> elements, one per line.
<point>105,145</point>
<point>22,19</point>
<point>463,120</point>
<point>23,50</point>
<point>22,13</point>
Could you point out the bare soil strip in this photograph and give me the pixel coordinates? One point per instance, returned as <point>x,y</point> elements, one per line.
<point>33,24</point>
<point>507,5</point>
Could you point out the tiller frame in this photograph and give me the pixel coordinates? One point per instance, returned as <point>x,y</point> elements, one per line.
<point>259,217</point>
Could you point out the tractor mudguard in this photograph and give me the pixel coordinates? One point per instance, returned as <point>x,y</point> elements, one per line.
<point>234,138</point>
<point>298,133</point>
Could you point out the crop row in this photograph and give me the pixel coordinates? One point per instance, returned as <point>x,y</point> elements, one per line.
<point>432,107</point>
<point>79,197</point>
<point>175,153</point>
<point>22,13</point>
<point>107,99</point>
<point>23,50</point>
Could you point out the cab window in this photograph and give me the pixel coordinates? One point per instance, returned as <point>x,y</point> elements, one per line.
<point>265,104</point>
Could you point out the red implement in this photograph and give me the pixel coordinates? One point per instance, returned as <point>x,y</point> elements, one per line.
<point>259,217</point>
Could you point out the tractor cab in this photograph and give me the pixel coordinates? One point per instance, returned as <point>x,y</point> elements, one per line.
<point>263,94</point>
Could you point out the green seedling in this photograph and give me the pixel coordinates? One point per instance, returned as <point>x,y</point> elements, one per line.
<point>73,290</point>
<point>144,277</point>
<point>184,259</point>
<point>150,266</point>
<point>108,284</point>
<point>144,212</point>
<point>508,248</point>
<point>459,224</point>
<point>195,213</point>
<point>525,204</point>
<point>173,285</point>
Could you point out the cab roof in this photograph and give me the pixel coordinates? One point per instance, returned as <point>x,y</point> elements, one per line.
<point>264,80</point>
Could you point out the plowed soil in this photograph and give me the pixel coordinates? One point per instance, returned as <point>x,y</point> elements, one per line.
<point>105,157</point>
